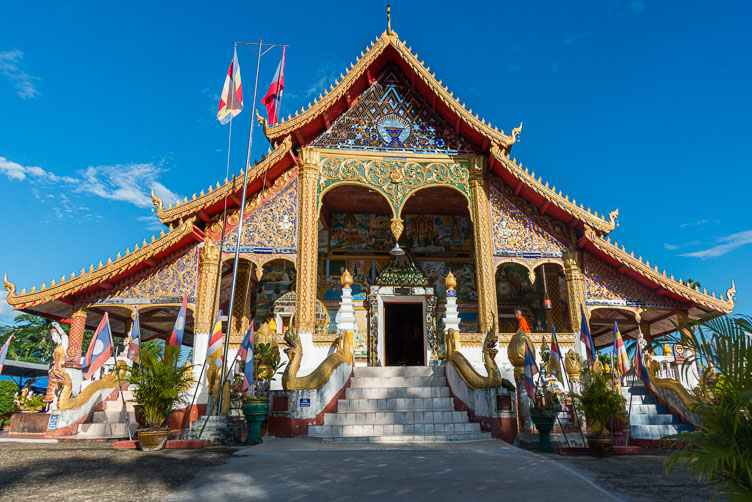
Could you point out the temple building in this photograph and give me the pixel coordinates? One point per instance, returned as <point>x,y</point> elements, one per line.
<point>372,197</point>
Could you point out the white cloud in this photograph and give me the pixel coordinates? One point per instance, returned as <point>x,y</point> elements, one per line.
<point>6,311</point>
<point>10,68</point>
<point>693,223</point>
<point>724,245</point>
<point>674,247</point>
<point>126,182</point>
<point>16,172</point>
<point>152,223</point>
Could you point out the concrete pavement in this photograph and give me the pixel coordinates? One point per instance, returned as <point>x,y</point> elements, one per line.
<point>304,469</point>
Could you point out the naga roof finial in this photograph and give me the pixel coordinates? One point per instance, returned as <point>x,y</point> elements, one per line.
<point>8,286</point>
<point>155,200</point>
<point>516,132</point>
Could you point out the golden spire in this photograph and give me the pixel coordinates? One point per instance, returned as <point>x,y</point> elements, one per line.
<point>347,279</point>
<point>388,19</point>
<point>450,281</point>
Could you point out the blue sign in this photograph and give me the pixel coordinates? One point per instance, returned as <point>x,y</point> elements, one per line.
<point>305,402</point>
<point>52,424</point>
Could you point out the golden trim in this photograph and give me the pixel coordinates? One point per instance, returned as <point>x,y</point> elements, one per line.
<point>101,273</point>
<point>342,88</point>
<point>213,194</point>
<point>667,383</point>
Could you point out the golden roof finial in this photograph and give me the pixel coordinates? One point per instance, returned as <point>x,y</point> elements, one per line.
<point>388,19</point>
<point>347,279</point>
<point>450,281</point>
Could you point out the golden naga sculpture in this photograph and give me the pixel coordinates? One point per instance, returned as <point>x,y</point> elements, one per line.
<point>66,402</point>
<point>667,383</point>
<point>573,365</point>
<point>516,352</point>
<point>319,376</point>
<point>466,370</point>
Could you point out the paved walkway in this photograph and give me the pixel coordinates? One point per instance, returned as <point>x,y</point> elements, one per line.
<point>304,469</point>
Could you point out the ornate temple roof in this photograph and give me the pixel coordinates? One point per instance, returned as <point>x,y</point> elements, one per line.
<point>307,124</point>
<point>145,255</point>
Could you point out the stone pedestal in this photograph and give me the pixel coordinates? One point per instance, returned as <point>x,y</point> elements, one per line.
<point>451,318</point>
<point>220,429</point>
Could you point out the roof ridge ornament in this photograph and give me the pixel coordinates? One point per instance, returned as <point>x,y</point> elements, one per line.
<point>389,19</point>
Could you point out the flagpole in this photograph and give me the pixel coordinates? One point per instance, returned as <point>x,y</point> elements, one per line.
<point>120,383</point>
<point>240,227</point>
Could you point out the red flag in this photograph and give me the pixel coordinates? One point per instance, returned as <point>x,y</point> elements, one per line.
<point>273,98</point>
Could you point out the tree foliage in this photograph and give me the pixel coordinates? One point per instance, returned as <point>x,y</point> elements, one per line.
<point>8,391</point>
<point>721,450</point>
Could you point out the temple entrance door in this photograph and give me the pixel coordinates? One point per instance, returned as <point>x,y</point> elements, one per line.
<point>404,340</point>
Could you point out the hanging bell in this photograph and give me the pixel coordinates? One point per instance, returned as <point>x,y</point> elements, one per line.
<point>547,303</point>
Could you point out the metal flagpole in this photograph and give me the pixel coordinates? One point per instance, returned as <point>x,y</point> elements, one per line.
<point>120,387</point>
<point>240,221</point>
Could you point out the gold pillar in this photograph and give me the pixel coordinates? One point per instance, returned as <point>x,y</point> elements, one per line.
<point>554,294</point>
<point>576,293</point>
<point>76,338</point>
<point>482,235</point>
<point>241,309</point>
<point>206,287</point>
<point>305,287</point>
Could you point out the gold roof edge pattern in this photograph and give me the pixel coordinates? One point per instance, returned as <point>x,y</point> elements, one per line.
<point>557,198</point>
<point>356,70</point>
<point>213,194</point>
<point>99,274</point>
<point>722,303</point>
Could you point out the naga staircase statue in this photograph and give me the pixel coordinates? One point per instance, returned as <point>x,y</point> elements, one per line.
<point>466,371</point>
<point>318,377</point>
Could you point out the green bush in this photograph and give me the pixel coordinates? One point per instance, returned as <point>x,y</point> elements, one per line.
<point>8,392</point>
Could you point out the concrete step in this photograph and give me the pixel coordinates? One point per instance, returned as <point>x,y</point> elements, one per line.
<point>657,419</point>
<point>104,431</point>
<point>397,381</point>
<point>404,438</point>
<point>326,431</point>
<point>117,405</point>
<point>399,371</point>
<point>398,404</point>
<point>657,432</point>
<point>112,417</point>
<point>640,399</point>
<point>648,409</point>
<point>396,418</point>
<point>640,390</point>
<point>396,392</point>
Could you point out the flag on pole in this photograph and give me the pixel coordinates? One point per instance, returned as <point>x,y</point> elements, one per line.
<point>134,347</point>
<point>214,352</point>
<point>4,351</point>
<point>100,348</point>
<point>531,369</point>
<point>586,338</point>
<point>639,365</point>
<point>555,354</point>
<point>176,338</point>
<point>246,355</point>
<point>231,101</point>
<point>273,98</point>
<point>621,360</point>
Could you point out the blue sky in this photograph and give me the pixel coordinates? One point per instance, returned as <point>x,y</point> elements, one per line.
<point>632,104</point>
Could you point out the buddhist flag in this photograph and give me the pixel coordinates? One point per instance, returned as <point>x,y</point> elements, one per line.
<point>231,101</point>
<point>100,348</point>
<point>4,352</point>
<point>531,369</point>
<point>555,355</point>
<point>176,338</point>
<point>586,338</point>
<point>273,98</point>
<point>134,347</point>
<point>214,352</point>
<point>246,355</point>
<point>621,359</point>
<point>639,365</point>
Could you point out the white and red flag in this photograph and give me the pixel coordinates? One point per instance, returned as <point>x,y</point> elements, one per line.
<point>231,101</point>
<point>245,354</point>
<point>273,98</point>
<point>134,347</point>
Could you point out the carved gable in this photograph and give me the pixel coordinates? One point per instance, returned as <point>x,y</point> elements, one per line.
<point>390,116</point>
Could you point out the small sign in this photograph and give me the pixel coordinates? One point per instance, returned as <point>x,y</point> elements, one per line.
<point>305,402</point>
<point>52,424</point>
<point>402,291</point>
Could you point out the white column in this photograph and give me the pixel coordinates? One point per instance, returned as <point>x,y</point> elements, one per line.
<point>451,318</point>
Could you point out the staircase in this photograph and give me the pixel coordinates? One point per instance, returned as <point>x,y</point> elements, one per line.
<point>396,404</point>
<point>109,423</point>
<point>649,420</point>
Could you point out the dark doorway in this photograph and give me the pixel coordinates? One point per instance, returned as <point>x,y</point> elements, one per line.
<point>403,334</point>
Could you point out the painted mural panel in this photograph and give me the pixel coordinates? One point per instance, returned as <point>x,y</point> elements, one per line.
<point>359,232</point>
<point>429,233</point>
<point>277,278</point>
<point>464,272</point>
<point>514,234</point>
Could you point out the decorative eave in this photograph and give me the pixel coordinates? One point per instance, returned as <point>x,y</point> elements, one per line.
<point>550,194</point>
<point>663,284</point>
<point>227,189</point>
<point>342,87</point>
<point>104,275</point>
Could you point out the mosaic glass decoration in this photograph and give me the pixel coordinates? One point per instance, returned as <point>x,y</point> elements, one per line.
<point>390,116</point>
<point>402,272</point>
<point>514,234</point>
<point>605,286</point>
<point>272,228</point>
<point>277,279</point>
<point>169,281</point>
